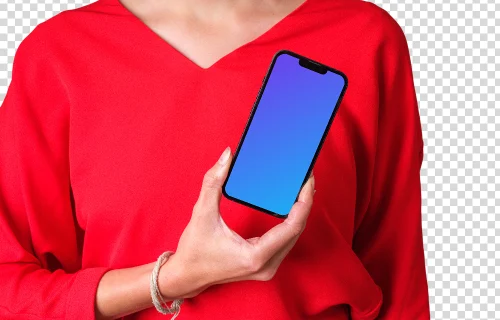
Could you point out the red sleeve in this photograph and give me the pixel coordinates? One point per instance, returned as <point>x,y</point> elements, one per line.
<point>388,239</point>
<point>40,260</point>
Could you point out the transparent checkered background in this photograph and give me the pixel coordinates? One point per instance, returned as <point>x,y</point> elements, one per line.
<point>455,49</point>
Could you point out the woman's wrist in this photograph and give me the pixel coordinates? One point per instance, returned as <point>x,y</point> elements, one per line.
<point>178,281</point>
<point>172,280</point>
<point>124,291</point>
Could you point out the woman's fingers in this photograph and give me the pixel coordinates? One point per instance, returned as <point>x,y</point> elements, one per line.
<point>307,192</point>
<point>280,238</point>
<point>282,234</point>
<point>211,189</point>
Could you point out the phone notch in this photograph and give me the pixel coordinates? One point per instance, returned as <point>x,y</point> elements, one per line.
<point>313,66</point>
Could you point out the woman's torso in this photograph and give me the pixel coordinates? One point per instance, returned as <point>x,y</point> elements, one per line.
<point>146,123</point>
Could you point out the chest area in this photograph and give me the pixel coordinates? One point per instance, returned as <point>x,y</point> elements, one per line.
<point>142,141</point>
<point>141,155</point>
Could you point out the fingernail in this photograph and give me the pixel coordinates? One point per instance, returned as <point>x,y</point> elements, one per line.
<point>224,156</point>
<point>314,192</point>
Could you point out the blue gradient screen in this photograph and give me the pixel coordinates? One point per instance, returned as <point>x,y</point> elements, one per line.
<point>283,135</point>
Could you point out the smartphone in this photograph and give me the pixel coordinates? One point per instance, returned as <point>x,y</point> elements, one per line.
<point>284,134</point>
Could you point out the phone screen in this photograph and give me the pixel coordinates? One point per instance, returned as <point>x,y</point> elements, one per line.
<point>290,119</point>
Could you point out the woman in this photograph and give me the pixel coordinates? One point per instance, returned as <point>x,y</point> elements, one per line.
<point>116,114</point>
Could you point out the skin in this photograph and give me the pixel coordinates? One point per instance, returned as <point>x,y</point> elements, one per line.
<point>208,251</point>
<point>205,31</point>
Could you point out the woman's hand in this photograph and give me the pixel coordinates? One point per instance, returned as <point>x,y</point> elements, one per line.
<point>209,252</point>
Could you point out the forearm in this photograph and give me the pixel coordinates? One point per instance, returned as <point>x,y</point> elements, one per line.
<point>125,291</point>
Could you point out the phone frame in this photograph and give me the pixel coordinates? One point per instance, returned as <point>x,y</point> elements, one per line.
<point>250,118</point>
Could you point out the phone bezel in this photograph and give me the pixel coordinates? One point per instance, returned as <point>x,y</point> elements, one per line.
<point>250,118</point>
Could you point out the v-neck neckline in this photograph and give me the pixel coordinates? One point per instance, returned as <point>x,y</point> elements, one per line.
<point>156,37</point>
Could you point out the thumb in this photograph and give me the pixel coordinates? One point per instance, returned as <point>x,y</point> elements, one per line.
<point>211,189</point>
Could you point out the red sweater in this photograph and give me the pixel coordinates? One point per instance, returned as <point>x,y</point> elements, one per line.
<point>106,132</point>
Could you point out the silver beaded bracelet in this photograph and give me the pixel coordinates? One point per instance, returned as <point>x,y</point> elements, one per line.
<point>158,300</point>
